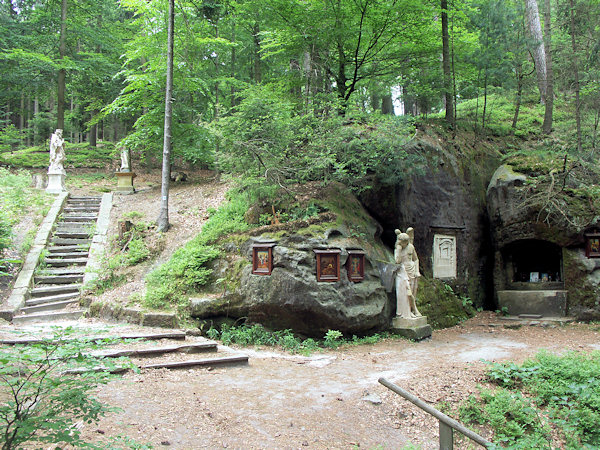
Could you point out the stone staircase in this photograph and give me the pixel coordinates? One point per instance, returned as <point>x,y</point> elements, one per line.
<point>171,349</point>
<point>57,283</point>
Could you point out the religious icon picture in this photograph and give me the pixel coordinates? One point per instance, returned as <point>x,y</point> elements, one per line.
<point>262,259</point>
<point>592,249</point>
<point>328,265</point>
<point>355,265</point>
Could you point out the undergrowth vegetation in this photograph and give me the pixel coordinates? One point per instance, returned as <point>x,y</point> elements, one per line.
<point>248,335</point>
<point>76,155</point>
<point>39,402</point>
<point>16,199</point>
<point>549,401</point>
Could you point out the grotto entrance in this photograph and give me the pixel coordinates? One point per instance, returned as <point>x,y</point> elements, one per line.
<point>529,278</point>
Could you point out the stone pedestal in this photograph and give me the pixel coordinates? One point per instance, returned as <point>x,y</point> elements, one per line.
<point>125,182</point>
<point>415,329</point>
<point>56,182</point>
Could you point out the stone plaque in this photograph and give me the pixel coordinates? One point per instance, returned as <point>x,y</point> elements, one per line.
<point>328,265</point>
<point>444,256</point>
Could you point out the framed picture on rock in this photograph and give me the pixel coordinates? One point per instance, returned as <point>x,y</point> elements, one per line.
<point>328,265</point>
<point>592,247</point>
<point>355,265</point>
<point>262,259</point>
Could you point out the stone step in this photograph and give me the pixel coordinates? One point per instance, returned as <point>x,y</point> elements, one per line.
<point>57,262</point>
<point>55,290</point>
<point>68,248</point>
<point>74,226</point>
<point>70,241</point>
<point>86,197</point>
<point>153,351</point>
<point>51,306</point>
<point>47,317</point>
<point>75,270</point>
<point>210,362</point>
<point>72,234</point>
<point>55,255</point>
<point>51,298</point>
<point>178,335</point>
<point>79,218</point>
<point>58,279</point>
<point>80,209</point>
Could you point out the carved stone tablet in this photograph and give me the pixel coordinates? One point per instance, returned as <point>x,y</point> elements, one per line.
<point>444,256</point>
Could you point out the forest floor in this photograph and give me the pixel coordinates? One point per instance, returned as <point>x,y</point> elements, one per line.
<point>330,399</point>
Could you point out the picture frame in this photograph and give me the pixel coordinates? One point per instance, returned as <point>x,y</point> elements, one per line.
<point>328,265</point>
<point>355,265</point>
<point>262,258</point>
<point>592,245</point>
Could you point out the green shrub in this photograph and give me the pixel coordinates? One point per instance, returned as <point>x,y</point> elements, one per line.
<point>256,334</point>
<point>137,251</point>
<point>40,403</point>
<point>548,390</point>
<point>185,271</point>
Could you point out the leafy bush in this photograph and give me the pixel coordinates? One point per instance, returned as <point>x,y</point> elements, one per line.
<point>562,392</point>
<point>76,155</point>
<point>256,334</point>
<point>40,403</point>
<point>185,271</point>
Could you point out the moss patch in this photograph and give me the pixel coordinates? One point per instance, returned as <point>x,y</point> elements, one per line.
<point>442,306</point>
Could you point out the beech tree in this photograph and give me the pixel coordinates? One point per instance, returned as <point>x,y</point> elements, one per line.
<point>163,217</point>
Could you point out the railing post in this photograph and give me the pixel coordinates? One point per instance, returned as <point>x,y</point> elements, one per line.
<point>446,437</point>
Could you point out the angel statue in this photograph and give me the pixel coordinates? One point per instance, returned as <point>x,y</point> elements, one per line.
<point>407,276</point>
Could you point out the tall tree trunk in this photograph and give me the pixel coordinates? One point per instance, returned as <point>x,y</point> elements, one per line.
<point>233,57</point>
<point>22,115</point>
<point>62,48</point>
<point>547,125</point>
<point>93,132</point>
<point>538,51</point>
<point>449,98</point>
<point>519,76</point>
<point>387,104</point>
<point>36,111</point>
<point>576,74</point>
<point>256,69</point>
<point>163,217</point>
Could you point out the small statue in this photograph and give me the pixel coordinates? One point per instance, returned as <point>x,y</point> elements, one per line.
<point>57,152</point>
<point>407,276</point>
<point>125,159</point>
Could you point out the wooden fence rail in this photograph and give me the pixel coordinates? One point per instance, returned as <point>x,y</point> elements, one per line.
<point>447,424</point>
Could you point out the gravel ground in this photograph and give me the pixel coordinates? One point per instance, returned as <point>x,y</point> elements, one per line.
<point>328,400</point>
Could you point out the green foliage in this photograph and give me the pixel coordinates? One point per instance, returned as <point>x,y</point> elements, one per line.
<point>138,251</point>
<point>441,304</point>
<point>16,198</point>
<point>264,137</point>
<point>40,403</point>
<point>256,334</point>
<point>76,155</point>
<point>562,392</point>
<point>185,271</point>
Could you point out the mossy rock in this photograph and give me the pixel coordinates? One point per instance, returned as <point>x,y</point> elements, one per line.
<point>442,306</point>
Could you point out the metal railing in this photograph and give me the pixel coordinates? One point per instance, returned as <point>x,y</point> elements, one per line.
<point>447,424</point>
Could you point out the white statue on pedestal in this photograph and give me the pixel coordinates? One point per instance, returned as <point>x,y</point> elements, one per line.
<point>407,276</point>
<point>125,159</point>
<point>57,152</point>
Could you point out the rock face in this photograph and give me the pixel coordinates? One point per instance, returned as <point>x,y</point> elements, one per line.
<point>446,198</point>
<point>291,297</point>
<point>538,225</point>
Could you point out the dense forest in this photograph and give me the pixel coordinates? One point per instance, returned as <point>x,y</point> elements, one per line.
<point>267,85</point>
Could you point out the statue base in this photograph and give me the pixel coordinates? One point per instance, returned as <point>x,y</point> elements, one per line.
<point>125,182</point>
<point>56,183</point>
<point>415,329</point>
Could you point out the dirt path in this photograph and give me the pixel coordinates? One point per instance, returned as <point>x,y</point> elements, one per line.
<point>328,400</point>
